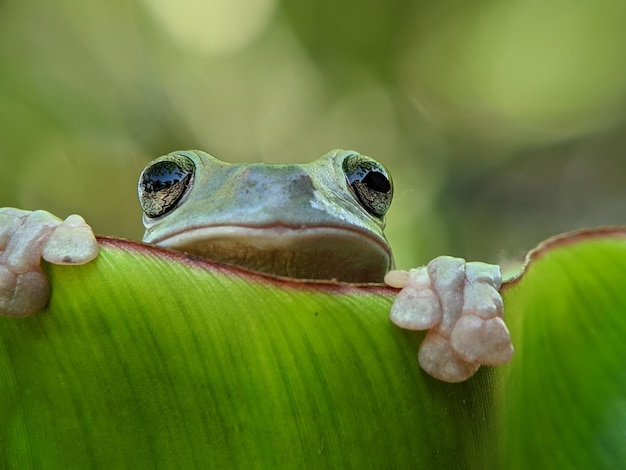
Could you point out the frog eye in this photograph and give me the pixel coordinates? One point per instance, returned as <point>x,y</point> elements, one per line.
<point>163,183</point>
<point>371,183</point>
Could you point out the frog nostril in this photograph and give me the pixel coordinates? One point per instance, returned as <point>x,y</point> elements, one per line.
<point>302,183</point>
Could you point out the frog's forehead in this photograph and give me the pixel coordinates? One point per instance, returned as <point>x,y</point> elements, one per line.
<point>262,194</point>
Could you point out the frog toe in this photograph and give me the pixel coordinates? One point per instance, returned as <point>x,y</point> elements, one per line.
<point>437,357</point>
<point>71,242</point>
<point>22,294</point>
<point>481,341</point>
<point>417,306</point>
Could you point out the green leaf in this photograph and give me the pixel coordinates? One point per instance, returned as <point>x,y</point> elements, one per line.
<point>563,401</point>
<point>148,358</point>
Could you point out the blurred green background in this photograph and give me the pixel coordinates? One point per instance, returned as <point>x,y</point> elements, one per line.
<point>503,122</point>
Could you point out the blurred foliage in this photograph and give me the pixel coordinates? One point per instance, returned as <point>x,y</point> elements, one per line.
<point>502,122</point>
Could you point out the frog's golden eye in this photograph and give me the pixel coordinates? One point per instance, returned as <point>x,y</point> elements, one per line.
<point>163,183</point>
<point>371,183</point>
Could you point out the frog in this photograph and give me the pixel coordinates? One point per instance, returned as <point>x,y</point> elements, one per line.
<point>322,220</point>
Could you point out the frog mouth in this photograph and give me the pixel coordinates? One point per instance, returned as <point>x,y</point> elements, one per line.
<point>319,252</point>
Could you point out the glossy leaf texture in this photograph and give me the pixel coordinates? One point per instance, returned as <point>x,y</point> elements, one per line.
<point>147,357</point>
<point>563,401</point>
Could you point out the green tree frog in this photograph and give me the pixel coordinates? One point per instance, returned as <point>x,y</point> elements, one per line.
<point>322,220</point>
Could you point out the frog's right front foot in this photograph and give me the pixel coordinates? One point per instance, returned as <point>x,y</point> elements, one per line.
<point>460,306</point>
<point>25,238</point>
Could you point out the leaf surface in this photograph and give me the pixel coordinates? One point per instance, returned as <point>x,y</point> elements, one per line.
<point>147,357</point>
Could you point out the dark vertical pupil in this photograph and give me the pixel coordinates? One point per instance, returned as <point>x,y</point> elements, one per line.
<point>377,181</point>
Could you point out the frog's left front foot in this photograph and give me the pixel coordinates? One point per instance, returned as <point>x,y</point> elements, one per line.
<point>25,238</point>
<point>460,305</point>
